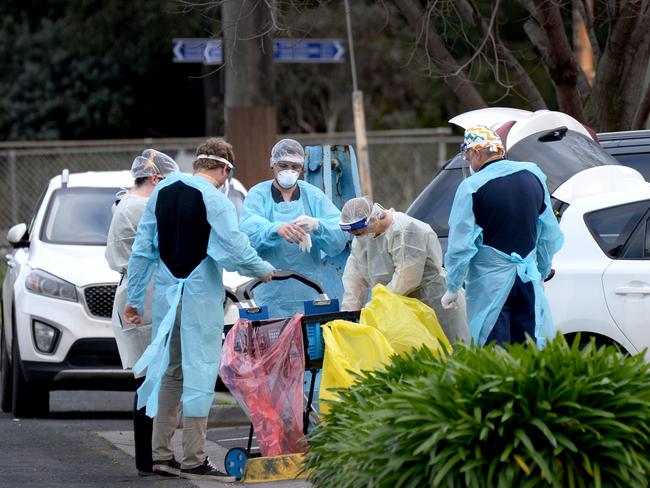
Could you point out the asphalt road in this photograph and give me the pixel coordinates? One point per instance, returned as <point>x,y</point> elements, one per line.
<point>86,441</point>
<point>65,449</point>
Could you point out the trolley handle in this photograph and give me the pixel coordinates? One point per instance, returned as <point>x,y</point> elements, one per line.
<point>282,276</point>
<point>230,295</point>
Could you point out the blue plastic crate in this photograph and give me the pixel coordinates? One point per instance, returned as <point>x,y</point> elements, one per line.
<point>315,342</point>
<point>262,313</point>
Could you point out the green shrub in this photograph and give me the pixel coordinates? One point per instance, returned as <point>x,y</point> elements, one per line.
<point>487,417</point>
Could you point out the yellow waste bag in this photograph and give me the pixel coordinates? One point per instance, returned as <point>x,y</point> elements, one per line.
<point>349,347</point>
<point>390,324</point>
<point>406,323</point>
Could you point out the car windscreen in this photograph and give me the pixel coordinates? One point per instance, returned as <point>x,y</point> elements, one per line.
<point>79,216</point>
<point>560,157</point>
<point>433,205</point>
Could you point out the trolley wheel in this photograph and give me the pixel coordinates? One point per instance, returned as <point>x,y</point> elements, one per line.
<point>235,461</point>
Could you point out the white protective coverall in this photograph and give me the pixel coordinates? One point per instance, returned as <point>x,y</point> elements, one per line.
<point>131,340</point>
<point>407,259</point>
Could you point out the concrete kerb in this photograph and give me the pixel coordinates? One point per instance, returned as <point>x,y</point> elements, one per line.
<point>226,412</point>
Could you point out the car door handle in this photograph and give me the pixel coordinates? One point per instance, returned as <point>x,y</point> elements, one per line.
<point>10,260</point>
<point>629,290</point>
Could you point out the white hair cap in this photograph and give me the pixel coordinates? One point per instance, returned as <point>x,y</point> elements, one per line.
<point>359,211</point>
<point>287,150</point>
<point>151,163</point>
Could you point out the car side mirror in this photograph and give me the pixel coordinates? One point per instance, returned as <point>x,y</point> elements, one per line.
<point>17,235</point>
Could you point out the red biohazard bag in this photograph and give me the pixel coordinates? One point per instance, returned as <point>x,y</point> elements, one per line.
<point>264,368</point>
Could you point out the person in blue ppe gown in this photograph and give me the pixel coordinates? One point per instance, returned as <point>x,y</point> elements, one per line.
<point>147,170</point>
<point>189,231</point>
<point>393,249</point>
<point>291,224</point>
<point>502,238</point>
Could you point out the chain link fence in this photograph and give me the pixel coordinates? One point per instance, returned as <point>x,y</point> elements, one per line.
<point>401,163</point>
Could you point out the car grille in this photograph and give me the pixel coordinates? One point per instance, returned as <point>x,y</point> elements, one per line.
<point>99,300</point>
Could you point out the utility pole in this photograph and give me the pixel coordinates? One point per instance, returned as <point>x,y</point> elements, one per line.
<point>359,114</point>
<point>251,125</point>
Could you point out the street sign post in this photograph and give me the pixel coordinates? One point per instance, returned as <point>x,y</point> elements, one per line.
<point>210,51</point>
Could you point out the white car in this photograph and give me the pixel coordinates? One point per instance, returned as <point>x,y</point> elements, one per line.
<point>601,285</point>
<point>58,291</point>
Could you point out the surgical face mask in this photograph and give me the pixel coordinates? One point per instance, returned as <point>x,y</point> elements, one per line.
<point>287,178</point>
<point>471,170</point>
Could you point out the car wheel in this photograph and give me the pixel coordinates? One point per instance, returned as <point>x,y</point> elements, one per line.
<point>27,400</point>
<point>600,340</point>
<point>6,385</point>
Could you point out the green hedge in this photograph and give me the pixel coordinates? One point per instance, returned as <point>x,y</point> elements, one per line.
<point>487,417</point>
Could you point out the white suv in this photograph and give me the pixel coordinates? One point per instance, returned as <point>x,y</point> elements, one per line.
<point>57,295</point>
<point>601,284</point>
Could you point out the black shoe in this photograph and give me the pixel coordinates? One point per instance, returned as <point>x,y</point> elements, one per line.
<point>206,471</point>
<point>169,467</point>
<point>144,473</point>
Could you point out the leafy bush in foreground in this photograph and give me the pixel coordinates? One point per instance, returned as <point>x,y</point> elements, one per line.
<point>487,417</point>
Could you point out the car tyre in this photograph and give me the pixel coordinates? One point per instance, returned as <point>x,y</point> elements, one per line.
<point>6,385</point>
<point>27,400</point>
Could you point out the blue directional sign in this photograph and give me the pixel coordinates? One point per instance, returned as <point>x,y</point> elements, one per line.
<point>308,50</point>
<point>210,51</point>
<point>197,50</point>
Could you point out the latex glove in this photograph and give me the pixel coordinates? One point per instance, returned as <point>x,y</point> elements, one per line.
<point>292,233</point>
<point>305,244</point>
<point>307,223</point>
<point>449,299</point>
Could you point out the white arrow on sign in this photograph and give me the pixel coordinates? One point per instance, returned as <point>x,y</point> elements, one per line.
<point>213,52</point>
<point>178,51</point>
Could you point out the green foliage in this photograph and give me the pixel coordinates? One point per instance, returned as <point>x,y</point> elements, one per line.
<point>96,69</point>
<point>490,417</point>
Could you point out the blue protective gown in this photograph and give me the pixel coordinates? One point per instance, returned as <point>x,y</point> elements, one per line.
<point>487,272</point>
<point>201,294</point>
<point>261,216</point>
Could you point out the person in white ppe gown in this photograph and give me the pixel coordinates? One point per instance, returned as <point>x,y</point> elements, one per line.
<point>400,252</point>
<point>189,231</point>
<point>502,238</point>
<point>293,225</point>
<point>148,170</point>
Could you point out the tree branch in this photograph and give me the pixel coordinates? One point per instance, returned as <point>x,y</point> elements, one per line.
<point>636,70</point>
<point>441,58</point>
<point>588,19</point>
<point>521,77</point>
<point>643,111</point>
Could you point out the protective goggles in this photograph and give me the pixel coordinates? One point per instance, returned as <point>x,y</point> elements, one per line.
<point>351,227</point>
<point>229,165</point>
<point>463,151</point>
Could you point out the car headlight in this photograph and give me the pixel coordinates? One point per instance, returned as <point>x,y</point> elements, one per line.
<point>43,283</point>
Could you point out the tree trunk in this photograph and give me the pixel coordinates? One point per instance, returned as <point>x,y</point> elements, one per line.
<point>213,94</point>
<point>251,125</point>
<point>546,31</point>
<point>610,98</point>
